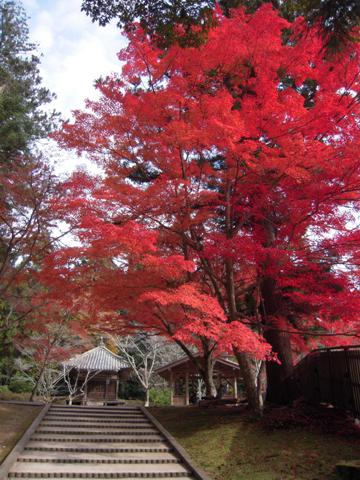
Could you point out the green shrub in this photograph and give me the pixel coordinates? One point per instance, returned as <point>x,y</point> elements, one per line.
<point>160,397</point>
<point>20,385</point>
<point>4,389</point>
<point>131,390</point>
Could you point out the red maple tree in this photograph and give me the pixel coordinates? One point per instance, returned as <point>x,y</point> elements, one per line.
<point>226,212</point>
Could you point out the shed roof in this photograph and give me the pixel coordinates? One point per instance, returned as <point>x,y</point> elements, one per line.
<point>99,358</point>
<point>185,359</point>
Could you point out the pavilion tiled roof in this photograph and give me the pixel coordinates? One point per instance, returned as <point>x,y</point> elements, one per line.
<point>97,359</point>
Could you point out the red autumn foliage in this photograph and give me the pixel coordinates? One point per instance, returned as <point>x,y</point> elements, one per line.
<point>230,191</point>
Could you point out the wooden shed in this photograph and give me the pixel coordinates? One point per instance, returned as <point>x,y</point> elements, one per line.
<point>97,373</point>
<point>185,381</point>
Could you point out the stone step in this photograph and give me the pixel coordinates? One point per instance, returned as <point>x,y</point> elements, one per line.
<point>101,447</point>
<point>97,415</point>
<point>94,409</point>
<point>64,470</point>
<point>96,438</point>
<point>95,462</point>
<point>95,425</point>
<point>45,477</point>
<point>98,457</point>
<point>130,421</point>
<point>86,459</point>
<point>95,431</point>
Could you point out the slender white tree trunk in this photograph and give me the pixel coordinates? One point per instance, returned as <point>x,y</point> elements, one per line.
<point>147,398</point>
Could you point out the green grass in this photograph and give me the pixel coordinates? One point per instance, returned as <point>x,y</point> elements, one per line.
<point>229,446</point>
<point>14,420</point>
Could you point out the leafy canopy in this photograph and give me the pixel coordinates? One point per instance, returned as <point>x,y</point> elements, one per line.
<point>228,200</point>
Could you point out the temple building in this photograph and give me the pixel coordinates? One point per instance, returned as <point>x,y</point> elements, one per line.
<point>186,385</point>
<point>94,376</point>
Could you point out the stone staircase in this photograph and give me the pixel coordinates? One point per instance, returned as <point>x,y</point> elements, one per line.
<point>98,442</point>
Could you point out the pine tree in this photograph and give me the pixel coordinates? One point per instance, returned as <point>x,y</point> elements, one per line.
<point>22,96</point>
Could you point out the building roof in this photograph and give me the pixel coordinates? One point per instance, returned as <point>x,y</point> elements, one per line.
<point>97,359</point>
<point>222,360</point>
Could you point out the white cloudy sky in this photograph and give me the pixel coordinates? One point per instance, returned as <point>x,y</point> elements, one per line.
<point>75,53</point>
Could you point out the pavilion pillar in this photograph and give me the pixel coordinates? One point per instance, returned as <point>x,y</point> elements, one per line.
<point>107,381</point>
<point>84,400</point>
<point>171,388</point>
<point>117,388</point>
<point>187,402</point>
<point>235,387</point>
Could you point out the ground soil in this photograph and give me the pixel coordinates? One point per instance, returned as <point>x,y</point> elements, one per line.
<point>14,420</point>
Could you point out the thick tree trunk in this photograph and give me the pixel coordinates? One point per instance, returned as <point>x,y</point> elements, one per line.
<point>278,375</point>
<point>254,376</point>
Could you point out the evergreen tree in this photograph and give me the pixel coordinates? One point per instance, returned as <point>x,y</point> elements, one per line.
<point>22,96</point>
<point>159,17</point>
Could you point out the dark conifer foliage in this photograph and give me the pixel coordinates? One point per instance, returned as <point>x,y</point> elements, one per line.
<point>22,96</point>
<point>337,17</point>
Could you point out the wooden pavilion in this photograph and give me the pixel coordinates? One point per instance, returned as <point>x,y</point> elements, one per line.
<point>96,374</point>
<point>184,380</point>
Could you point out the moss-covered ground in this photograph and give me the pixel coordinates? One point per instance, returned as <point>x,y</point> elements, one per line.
<point>230,445</point>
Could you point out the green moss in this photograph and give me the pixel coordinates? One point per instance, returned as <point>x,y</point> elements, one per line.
<point>229,446</point>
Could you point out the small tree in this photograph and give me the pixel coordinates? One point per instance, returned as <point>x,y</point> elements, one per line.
<point>143,352</point>
<point>46,340</point>
<point>75,381</point>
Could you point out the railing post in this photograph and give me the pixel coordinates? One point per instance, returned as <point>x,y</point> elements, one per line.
<point>330,375</point>
<point>351,386</point>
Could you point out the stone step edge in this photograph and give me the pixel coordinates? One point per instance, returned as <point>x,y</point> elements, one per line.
<point>96,406</point>
<point>129,461</point>
<point>96,415</point>
<point>185,476</point>
<point>80,425</point>
<point>97,412</point>
<point>120,433</point>
<point>94,410</point>
<point>100,450</point>
<point>86,420</point>
<point>95,440</point>
<point>100,475</point>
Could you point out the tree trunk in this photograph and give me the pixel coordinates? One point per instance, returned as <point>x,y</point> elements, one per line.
<point>34,390</point>
<point>147,397</point>
<point>205,368</point>
<point>278,374</point>
<point>254,380</point>
<point>209,376</point>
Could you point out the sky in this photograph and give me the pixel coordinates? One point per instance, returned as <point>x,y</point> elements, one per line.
<point>75,52</point>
